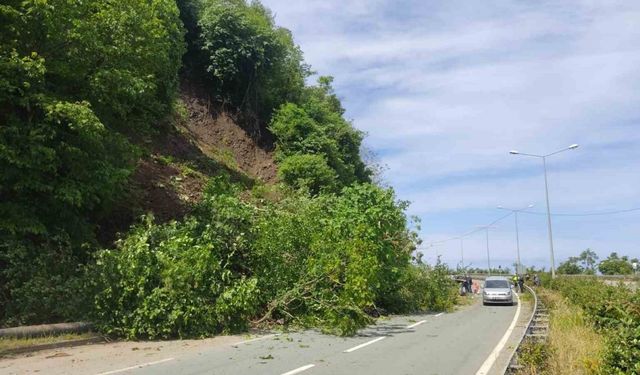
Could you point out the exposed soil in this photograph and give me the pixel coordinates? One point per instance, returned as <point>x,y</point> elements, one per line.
<point>183,156</point>
<point>167,192</point>
<point>219,136</point>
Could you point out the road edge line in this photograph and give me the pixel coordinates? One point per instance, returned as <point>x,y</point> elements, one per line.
<point>299,369</point>
<point>365,344</point>
<point>255,339</point>
<point>137,366</point>
<point>416,324</point>
<point>491,359</point>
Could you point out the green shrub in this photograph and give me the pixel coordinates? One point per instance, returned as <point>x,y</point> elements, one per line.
<point>185,279</point>
<point>615,311</point>
<point>424,288</point>
<point>309,172</point>
<point>41,282</point>
<point>322,261</point>
<point>249,61</point>
<point>316,127</point>
<point>74,75</point>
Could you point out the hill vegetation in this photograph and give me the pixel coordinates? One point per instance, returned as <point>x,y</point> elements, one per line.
<point>96,109</point>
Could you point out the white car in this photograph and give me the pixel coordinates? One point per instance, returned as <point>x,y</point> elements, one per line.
<point>497,289</point>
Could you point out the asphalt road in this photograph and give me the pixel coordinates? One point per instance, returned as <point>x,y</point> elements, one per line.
<point>451,343</point>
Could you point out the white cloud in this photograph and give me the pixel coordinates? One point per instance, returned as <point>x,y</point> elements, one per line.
<point>445,89</point>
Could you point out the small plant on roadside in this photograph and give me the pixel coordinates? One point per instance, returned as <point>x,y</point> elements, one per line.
<point>533,355</point>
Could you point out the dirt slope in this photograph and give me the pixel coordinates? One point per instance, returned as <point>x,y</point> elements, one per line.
<point>218,136</point>
<point>197,144</point>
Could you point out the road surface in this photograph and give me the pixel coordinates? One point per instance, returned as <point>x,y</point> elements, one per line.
<point>449,343</point>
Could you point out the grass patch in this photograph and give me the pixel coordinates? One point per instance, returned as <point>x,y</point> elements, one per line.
<point>574,347</point>
<point>226,157</point>
<point>534,356</point>
<point>465,300</point>
<point>526,297</point>
<point>8,344</point>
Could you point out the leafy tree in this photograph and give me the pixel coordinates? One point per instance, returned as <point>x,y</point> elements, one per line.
<point>615,265</point>
<point>589,259</point>
<point>317,127</point>
<point>322,261</point>
<point>250,62</point>
<point>570,267</point>
<point>122,57</point>
<point>321,103</point>
<point>73,76</point>
<point>309,172</point>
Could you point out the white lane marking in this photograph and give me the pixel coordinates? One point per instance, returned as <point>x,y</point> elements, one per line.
<point>299,370</point>
<point>136,366</point>
<point>488,363</point>
<point>437,315</point>
<point>365,344</point>
<point>256,339</point>
<point>417,324</point>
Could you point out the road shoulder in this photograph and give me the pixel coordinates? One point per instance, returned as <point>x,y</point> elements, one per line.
<point>514,339</point>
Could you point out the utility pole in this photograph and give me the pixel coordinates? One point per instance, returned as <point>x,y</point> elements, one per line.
<point>515,214</point>
<point>486,228</point>
<point>546,190</point>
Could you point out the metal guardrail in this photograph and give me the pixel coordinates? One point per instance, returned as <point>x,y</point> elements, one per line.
<point>512,366</point>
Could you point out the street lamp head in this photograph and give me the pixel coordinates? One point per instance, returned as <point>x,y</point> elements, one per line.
<point>574,146</point>
<point>531,205</point>
<point>514,152</point>
<point>500,207</point>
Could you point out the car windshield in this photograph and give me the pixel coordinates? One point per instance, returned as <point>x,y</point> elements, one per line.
<point>496,284</point>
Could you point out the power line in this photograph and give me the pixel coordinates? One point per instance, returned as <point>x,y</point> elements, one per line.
<point>430,244</point>
<point>601,213</point>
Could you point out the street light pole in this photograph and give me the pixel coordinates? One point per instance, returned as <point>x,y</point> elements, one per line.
<point>462,251</point>
<point>486,228</point>
<point>519,265</point>
<point>546,189</point>
<point>488,256</point>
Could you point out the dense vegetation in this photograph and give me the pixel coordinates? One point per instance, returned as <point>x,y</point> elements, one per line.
<point>614,311</point>
<point>573,346</point>
<point>82,84</point>
<point>75,78</point>
<point>587,263</point>
<point>320,261</point>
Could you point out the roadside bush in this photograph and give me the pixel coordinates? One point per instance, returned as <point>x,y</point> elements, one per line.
<point>41,282</point>
<point>335,257</point>
<point>534,357</point>
<point>423,288</point>
<point>615,311</point>
<point>320,261</point>
<point>186,279</point>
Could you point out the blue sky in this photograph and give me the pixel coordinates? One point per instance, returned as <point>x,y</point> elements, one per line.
<point>445,89</point>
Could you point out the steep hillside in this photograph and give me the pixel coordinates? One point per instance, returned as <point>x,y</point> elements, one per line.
<point>200,141</point>
<point>220,137</point>
<point>181,109</point>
